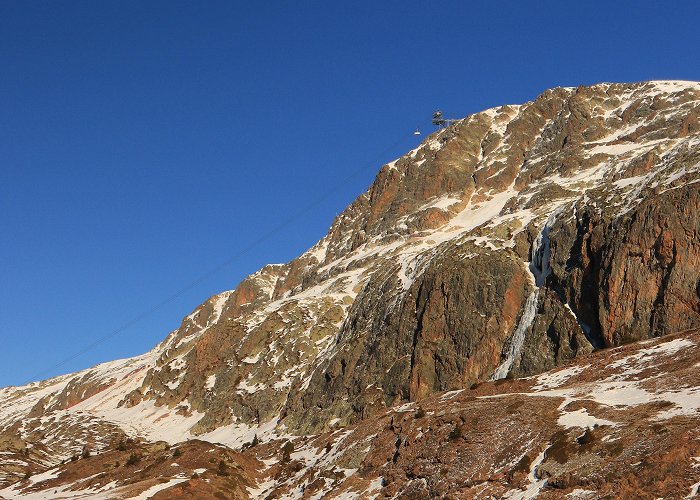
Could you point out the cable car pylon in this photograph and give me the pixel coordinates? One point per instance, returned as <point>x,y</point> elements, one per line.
<point>440,121</point>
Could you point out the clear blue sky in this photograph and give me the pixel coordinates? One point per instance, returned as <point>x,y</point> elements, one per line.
<point>143,143</point>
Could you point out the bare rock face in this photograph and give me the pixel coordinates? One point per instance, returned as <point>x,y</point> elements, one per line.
<point>635,276</point>
<point>514,241</point>
<point>445,333</point>
<point>654,269</point>
<point>555,337</point>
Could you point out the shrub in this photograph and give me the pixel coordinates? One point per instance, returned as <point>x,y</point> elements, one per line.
<point>455,433</point>
<point>287,450</point>
<point>133,459</point>
<point>420,413</point>
<point>586,437</point>
<point>288,447</point>
<point>253,443</point>
<point>222,469</point>
<point>85,453</point>
<point>177,453</point>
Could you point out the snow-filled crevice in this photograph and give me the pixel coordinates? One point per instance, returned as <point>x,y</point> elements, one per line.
<point>535,485</point>
<point>541,252</point>
<point>586,329</point>
<point>540,269</point>
<point>516,343</point>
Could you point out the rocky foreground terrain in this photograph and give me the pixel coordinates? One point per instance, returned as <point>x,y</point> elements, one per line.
<point>512,310</point>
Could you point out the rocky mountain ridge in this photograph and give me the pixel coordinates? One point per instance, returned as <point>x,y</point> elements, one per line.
<point>505,245</point>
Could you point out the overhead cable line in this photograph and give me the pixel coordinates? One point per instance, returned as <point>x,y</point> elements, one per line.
<point>267,235</point>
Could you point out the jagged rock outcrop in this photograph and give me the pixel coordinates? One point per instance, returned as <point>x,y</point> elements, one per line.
<point>447,332</point>
<point>634,276</point>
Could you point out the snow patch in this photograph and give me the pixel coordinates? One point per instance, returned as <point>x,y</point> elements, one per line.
<point>581,418</point>
<point>556,378</point>
<point>404,407</point>
<point>251,360</point>
<point>664,348</point>
<point>581,494</point>
<point>694,489</point>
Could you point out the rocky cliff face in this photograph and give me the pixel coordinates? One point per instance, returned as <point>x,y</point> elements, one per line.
<point>505,245</point>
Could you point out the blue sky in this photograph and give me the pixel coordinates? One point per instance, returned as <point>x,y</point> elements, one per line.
<point>142,144</point>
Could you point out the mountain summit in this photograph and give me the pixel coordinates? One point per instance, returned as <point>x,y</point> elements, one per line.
<point>513,241</point>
